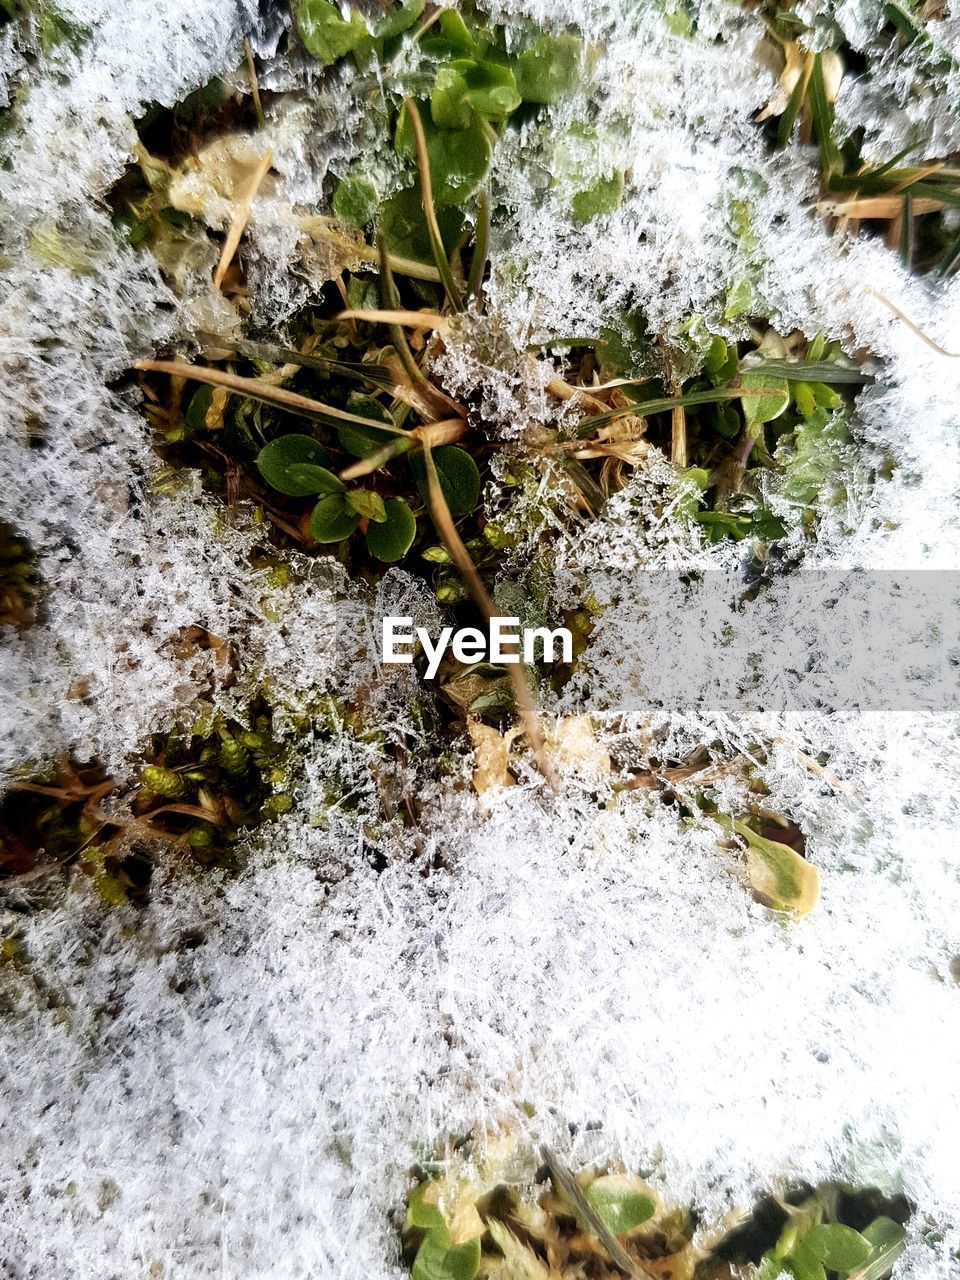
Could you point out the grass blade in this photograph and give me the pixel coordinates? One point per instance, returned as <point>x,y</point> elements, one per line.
<point>794,103</point>
<point>481,244</point>
<point>667,404</point>
<point>822,113</point>
<point>814,371</point>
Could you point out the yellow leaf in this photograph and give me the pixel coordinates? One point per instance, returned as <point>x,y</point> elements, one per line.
<point>779,874</point>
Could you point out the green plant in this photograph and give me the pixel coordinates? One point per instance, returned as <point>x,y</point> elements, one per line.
<point>294,465</point>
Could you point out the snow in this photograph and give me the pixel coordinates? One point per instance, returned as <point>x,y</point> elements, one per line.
<point>236,1079</point>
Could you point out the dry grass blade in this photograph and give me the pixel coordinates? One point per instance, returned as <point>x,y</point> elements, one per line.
<point>877,207</point>
<point>257,389</point>
<point>566,1184</point>
<point>443,520</point>
<point>934,346</point>
<point>254,85</point>
<point>427,320</point>
<point>433,433</point>
<point>241,216</point>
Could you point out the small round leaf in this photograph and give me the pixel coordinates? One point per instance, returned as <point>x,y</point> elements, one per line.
<point>391,540</point>
<point>294,465</point>
<point>355,200</point>
<point>549,68</point>
<point>622,1202</point>
<point>458,476</point>
<point>364,441</point>
<point>368,504</point>
<point>332,520</point>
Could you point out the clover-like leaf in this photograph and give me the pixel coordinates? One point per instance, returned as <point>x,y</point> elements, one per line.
<point>758,409</point>
<point>548,68</point>
<point>294,465</point>
<point>451,37</point>
<point>779,873</point>
<point>402,225</point>
<point>402,18</point>
<point>332,519</point>
<point>367,504</point>
<point>326,33</point>
<point>464,86</point>
<point>390,540</point>
<point>458,476</point>
<point>622,1202</point>
<point>422,1211</point>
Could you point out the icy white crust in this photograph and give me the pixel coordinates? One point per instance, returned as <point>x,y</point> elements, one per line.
<point>234,1081</point>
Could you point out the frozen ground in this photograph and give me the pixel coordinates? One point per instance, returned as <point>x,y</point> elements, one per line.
<point>235,1080</point>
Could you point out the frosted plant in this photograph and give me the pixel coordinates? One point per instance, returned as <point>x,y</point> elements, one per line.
<point>237,1077</point>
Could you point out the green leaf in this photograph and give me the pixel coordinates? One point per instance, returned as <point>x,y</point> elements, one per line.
<point>294,465</point>
<point>464,86</point>
<point>404,228</point>
<point>402,18</point>
<point>459,158</point>
<point>886,1239</point>
<point>196,415</point>
<point>455,36</point>
<point>805,1264</point>
<point>602,197</point>
<point>324,32</point>
<point>437,1260</point>
<point>423,1214</point>
<point>838,1247</point>
<point>622,1202</point>
<point>355,200</point>
<point>458,476</point>
<point>720,361</point>
<point>803,398</point>
<point>327,34</point>
<point>361,441</point>
<point>391,540</point>
<point>332,520</point>
<point>548,68</point>
<point>368,504</point>
<point>763,408</point>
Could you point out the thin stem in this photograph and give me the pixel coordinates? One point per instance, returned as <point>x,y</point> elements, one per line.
<point>443,521</point>
<point>429,211</point>
<point>391,299</point>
